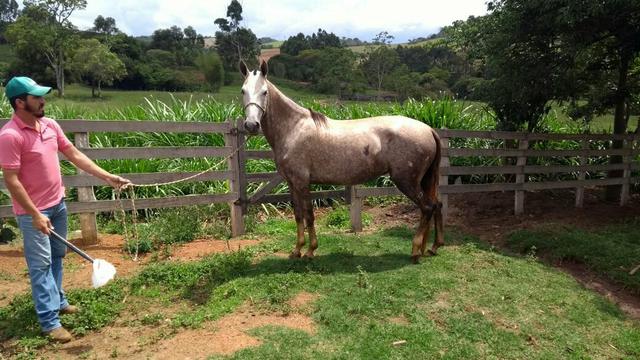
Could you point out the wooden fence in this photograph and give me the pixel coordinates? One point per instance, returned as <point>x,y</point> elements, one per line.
<point>513,174</point>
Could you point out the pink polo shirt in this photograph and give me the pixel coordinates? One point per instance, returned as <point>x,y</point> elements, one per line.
<point>36,156</point>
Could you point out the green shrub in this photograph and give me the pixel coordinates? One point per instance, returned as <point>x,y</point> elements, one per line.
<point>211,65</point>
<point>339,218</point>
<point>143,242</point>
<point>175,226</point>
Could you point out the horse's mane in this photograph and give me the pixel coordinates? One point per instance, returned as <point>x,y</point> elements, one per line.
<point>319,119</point>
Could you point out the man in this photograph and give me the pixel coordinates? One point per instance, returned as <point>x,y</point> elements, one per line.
<point>29,146</point>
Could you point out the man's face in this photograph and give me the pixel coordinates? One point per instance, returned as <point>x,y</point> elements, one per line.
<point>35,105</point>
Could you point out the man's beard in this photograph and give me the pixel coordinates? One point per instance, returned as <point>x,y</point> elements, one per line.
<point>37,112</point>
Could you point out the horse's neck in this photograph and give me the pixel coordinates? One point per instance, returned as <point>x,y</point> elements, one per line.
<point>282,117</point>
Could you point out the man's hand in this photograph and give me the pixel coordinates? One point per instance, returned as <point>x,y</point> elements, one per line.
<point>42,223</point>
<point>118,182</point>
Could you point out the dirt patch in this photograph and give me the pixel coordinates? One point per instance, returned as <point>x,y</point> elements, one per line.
<point>267,54</point>
<point>228,335</point>
<point>303,302</point>
<point>399,320</point>
<point>198,249</point>
<point>490,216</point>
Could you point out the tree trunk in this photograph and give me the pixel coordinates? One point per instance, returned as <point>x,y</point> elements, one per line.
<point>59,70</point>
<point>93,89</point>
<point>619,126</point>
<point>99,89</point>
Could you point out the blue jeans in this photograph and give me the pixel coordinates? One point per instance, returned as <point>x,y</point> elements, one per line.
<point>44,260</point>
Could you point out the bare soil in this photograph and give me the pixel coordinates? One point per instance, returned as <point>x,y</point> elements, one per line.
<point>488,216</point>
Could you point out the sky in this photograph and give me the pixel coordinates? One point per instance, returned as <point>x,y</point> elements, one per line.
<point>279,19</point>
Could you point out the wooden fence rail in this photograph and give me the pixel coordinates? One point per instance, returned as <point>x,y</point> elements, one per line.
<point>521,150</point>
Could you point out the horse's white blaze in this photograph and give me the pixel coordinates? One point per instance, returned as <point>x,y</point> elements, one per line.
<point>254,92</point>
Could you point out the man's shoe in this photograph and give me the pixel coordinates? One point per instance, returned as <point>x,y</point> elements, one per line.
<point>71,309</point>
<point>59,334</point>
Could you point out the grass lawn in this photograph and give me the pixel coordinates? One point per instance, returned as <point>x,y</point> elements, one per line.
<point>79,96</point>
<point>468,302</point>
<point>613,251</point>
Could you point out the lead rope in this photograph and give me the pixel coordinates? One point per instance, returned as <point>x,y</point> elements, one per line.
<point>132,197</point>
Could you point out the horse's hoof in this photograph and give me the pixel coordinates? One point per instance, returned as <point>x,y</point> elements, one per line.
<point>309,256</point>
<point>294,255</point>
<point>415,259</point>
<point>431,253</point>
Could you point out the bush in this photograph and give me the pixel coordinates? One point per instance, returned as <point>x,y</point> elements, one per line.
<point>340,218</point>
<point>211,65</point>
<point>175,226</point>
<point>144,242</point>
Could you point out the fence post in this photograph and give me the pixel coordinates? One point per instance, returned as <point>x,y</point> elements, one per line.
<point>355,208</point>
<point>88,224</point>
<point>584,145</point>
<point>444,179</point>
<point>523,146</point>
<point>235,140</point>
<point>626,175</point>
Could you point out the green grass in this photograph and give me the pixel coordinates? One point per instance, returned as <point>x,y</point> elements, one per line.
<point>274,44</point>
<point>78,98</point>
<point>612,251</point>
<point>468,302</point>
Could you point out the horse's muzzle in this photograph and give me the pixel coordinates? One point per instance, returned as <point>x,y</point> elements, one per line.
<point>252,126</point>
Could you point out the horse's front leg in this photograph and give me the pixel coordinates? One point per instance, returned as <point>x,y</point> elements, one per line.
<point>298,211</point>
<point>309,219</point>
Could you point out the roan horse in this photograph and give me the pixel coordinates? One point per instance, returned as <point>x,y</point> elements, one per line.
<point>310,148</point>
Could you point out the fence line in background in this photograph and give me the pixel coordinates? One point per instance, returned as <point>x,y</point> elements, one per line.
<point>239,179</point>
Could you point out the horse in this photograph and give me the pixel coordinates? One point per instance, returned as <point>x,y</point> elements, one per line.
<point>310,148</point>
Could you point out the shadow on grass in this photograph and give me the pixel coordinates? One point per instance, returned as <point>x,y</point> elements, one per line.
<point>334,263</point>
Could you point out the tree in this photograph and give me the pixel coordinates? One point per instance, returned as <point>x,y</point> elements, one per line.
<point>105,26</point>
<point>379,60</point>
<point>294,44</point>
<point>185,44</point>
<point>536,51</point>
<point>516,44</point>
<point>44,27</point>
<point>211,65</point>
<point>604,43</point>
<point>8,11</point>
<point>97,64</point>
<point>8,14</point>
<point>167,39</point>
<point>322,39</point>
<point>335,71</point>
<point>235,43</point>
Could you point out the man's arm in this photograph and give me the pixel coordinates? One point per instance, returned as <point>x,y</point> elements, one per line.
<point>19,194</point>
<point>84,163</point>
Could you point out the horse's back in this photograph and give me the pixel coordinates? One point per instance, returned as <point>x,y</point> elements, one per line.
<point>389,129</point>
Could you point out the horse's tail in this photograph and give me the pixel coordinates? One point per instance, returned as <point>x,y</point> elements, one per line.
<point>431,178</point>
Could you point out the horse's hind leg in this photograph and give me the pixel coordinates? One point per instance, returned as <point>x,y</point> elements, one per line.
<point>426,234</point>
<point>420,238</point>
<point>413,191</point>
<point>439,239</point>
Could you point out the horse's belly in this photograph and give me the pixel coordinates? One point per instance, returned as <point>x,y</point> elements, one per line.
<point>346,170</point>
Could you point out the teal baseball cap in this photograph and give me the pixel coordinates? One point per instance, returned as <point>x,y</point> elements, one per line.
<point>23,85</point>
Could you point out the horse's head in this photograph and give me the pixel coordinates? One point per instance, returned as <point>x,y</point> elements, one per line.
<point>254,95</point>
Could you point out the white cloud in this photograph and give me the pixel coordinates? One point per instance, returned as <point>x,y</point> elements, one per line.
<point>280,19</point>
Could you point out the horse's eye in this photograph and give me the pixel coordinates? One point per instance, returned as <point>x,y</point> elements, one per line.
<point>264,93</point>
<point>242,92</point>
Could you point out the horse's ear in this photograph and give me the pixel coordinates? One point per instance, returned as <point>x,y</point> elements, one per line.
<point>264,69</point>
<point>243,68</point>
